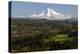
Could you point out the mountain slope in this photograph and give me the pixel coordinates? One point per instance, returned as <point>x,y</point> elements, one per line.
<point>51,15</point>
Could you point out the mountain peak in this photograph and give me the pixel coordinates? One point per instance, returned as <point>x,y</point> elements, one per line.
<point>51,15</point>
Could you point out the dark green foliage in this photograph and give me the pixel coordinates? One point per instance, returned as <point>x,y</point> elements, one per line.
<point>39,35</point>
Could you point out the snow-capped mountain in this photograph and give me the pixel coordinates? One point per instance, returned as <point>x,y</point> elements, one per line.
<point>51,15</point>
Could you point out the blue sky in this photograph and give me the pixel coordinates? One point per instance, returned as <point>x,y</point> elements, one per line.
<point>28,8</point>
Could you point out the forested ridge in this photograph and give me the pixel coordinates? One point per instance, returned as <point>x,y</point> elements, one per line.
<point>29,35</point>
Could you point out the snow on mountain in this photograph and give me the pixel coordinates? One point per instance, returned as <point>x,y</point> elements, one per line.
<point>41,14</point>
<point>34,15</point>
<point>51,15</point>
